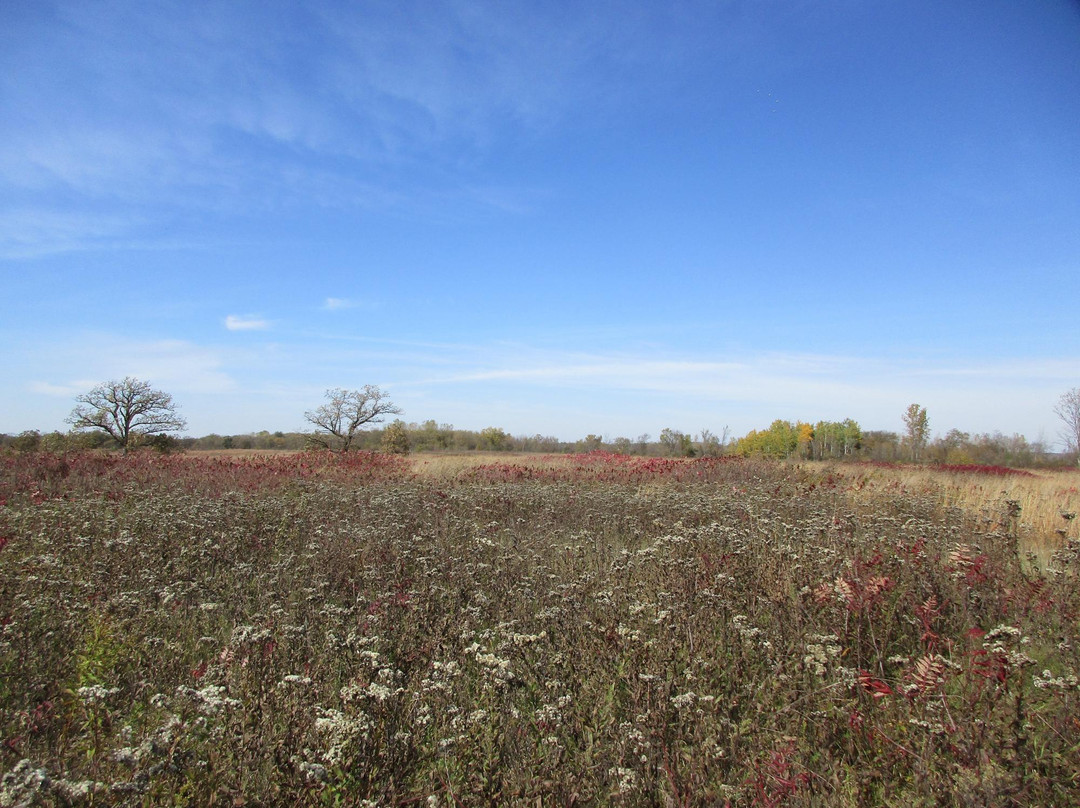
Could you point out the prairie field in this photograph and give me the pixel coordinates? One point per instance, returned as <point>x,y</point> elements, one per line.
<point>315,629</point>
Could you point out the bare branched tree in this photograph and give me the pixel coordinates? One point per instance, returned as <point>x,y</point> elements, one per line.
<point>126,409</point>
<point>345,412</point>
<point>1068,410</point>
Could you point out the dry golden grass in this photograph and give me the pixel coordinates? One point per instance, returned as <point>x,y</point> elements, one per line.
<point>1045,498</point>
<point>451,464</point>
<point>239,452</point>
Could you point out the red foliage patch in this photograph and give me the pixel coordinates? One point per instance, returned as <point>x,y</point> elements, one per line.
<point>43,476</point>
<point>603,466</point>
<point>974,468</point>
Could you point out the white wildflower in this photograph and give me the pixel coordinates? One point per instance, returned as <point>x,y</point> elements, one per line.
<point>96,694</point>
<point>295,680</point>
<point>625,779</point>
<point>684,700</point>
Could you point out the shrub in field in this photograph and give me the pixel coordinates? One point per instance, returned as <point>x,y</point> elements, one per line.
<point>610,630</point>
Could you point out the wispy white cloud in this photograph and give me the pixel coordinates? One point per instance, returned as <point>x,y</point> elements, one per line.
<point>750,390</point>
<point>346,303</point>
<point>33,232</point>
<point>247,322</point>
<point>338,303</point>
<point>81,362</point>
<point>177,112</point>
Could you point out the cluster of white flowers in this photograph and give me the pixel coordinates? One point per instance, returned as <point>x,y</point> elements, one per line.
<point>625,779</point>
<point>442,673</point>
<point>340,733</point>
<point>23,785</point>
<point>210,700</point>
<point>126,756</point>
<point>1002,640</point>
<point>375,691</point>
<point>497,668</point>
<point>527,639</point>
<point>1048,680</point>
<point>742,625</point>
<point>96,694</point>
<point>77,792</point>
<point>549,714</point>
<point>750,633</point>
<point>933,727</point>
<point>248,635</point>
<point>294,680</point>
<point>815,659</point>
<point>477,717</point>
<point>818,653</point>
<point>312,772</point>
<point>684,700</point>
<point>1002,632</point>
<point>369,656</point>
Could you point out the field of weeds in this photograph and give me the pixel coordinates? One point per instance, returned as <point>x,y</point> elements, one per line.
<point>598,630</point>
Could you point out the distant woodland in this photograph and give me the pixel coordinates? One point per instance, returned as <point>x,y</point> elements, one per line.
<point>782,439</point>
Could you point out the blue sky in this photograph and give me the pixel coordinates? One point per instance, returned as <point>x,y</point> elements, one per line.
<point>557,218</point>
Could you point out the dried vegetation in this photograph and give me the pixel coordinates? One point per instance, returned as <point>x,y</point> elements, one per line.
<point>308,630</point>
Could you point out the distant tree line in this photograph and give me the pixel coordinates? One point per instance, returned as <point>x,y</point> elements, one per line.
<point>782,439</point>
<point>129,414</point>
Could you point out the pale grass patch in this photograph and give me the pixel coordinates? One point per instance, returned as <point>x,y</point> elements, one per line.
<point>1044,498</point>
<point>450,465</point>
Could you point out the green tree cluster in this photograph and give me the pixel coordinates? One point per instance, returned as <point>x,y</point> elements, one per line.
<point>780,440</point>
<point>833,439</point>
<point>917,426</point>
<point>395,439</point>
<point>494,439</point>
